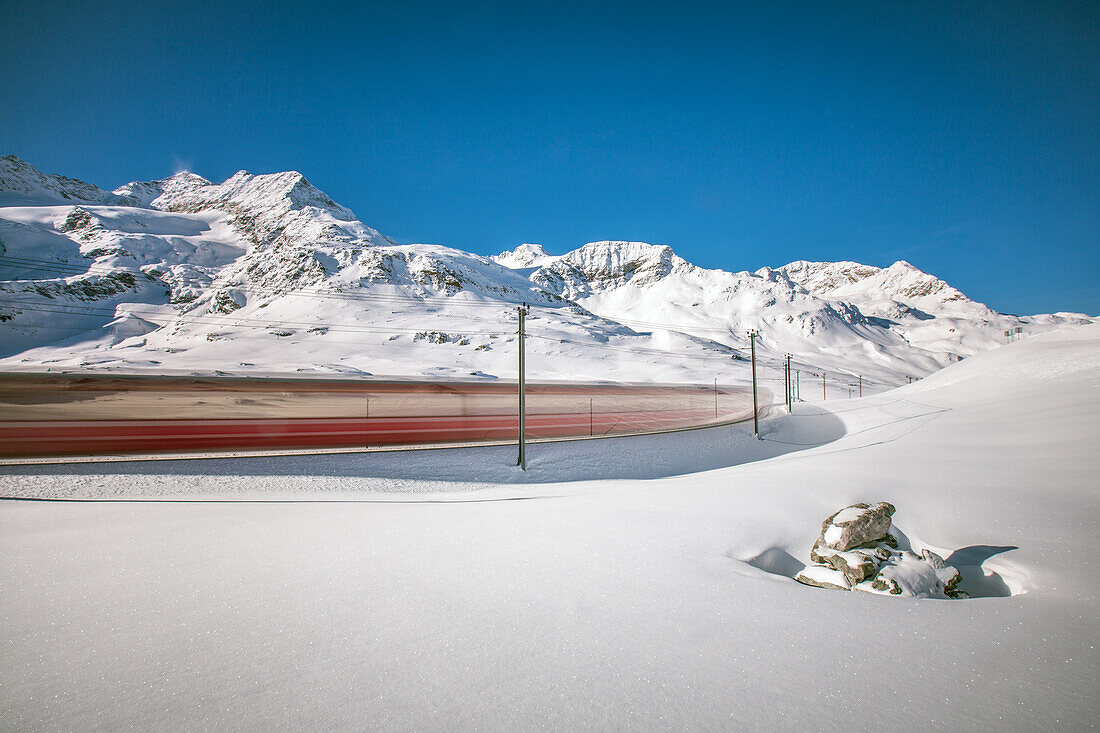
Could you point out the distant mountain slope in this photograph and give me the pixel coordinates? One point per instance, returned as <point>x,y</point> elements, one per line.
<point>266,273</point>
<point>899,318</point>
<point>898,283</point>
<point>926,311</point>
<point>22,183</point>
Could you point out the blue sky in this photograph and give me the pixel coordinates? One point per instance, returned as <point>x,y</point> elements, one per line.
<point>963,137</point>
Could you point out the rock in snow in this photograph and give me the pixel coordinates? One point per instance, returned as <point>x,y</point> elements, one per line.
<point>823,577</point>
<point>856,525</point>
<point>856,551</point>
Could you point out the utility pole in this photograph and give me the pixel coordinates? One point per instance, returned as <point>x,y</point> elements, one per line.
<point>860,385</point>
<point>824,394</point>
<point>522,462</point>
<point>790,387</point>
<point>755,406</point>
<point>716,397</point>
<point>797,386</point>
<point>786,383</point>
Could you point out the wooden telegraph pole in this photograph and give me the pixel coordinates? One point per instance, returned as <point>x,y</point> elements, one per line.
<point>786,385</point>
<point>755,404</point>
<point>522,462</point>
<point>790,387</point>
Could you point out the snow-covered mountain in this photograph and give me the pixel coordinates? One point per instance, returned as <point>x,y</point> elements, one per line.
<point>842,316</point>
<point>523,256</point>
<point>266,273</point>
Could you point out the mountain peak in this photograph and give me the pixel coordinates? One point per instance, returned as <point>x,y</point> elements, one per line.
<point>14,162</point>
<point>902,282</point>
<point>187,176</point>
<point>144,193</point>
<point>607,264</point>
<point>287,190</point>
<point>525,255</point>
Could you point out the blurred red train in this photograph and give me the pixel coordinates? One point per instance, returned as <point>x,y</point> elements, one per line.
<point>73,414</point>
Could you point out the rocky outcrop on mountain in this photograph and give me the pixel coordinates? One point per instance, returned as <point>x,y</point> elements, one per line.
<point>857,550</point>
<point>81,224</point>
<point>826,277</point>
<point>602,266</point>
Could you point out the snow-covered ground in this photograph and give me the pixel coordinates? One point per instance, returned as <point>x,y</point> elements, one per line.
<point>638,583</point>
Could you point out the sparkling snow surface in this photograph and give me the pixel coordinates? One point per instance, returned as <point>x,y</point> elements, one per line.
<point>639,583</point>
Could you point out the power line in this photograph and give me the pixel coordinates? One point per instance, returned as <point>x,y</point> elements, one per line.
<point>49,265</point>
<point>609,347</point>
<point>678,327</point>
<point>230,321</point>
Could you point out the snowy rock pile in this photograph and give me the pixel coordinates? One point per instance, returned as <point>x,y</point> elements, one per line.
<point>858,550</point>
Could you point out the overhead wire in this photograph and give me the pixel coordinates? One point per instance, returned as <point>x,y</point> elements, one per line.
<point>313,292</point>
<point>226,321</point>
<point>610,347</point>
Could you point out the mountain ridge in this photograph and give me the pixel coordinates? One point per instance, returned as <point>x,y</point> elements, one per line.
<point>197,271</point>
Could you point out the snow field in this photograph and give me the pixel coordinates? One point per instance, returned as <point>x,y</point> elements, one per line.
<point>446,590</point>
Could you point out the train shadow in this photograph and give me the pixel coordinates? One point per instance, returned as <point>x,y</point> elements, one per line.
<point>627,457</point>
